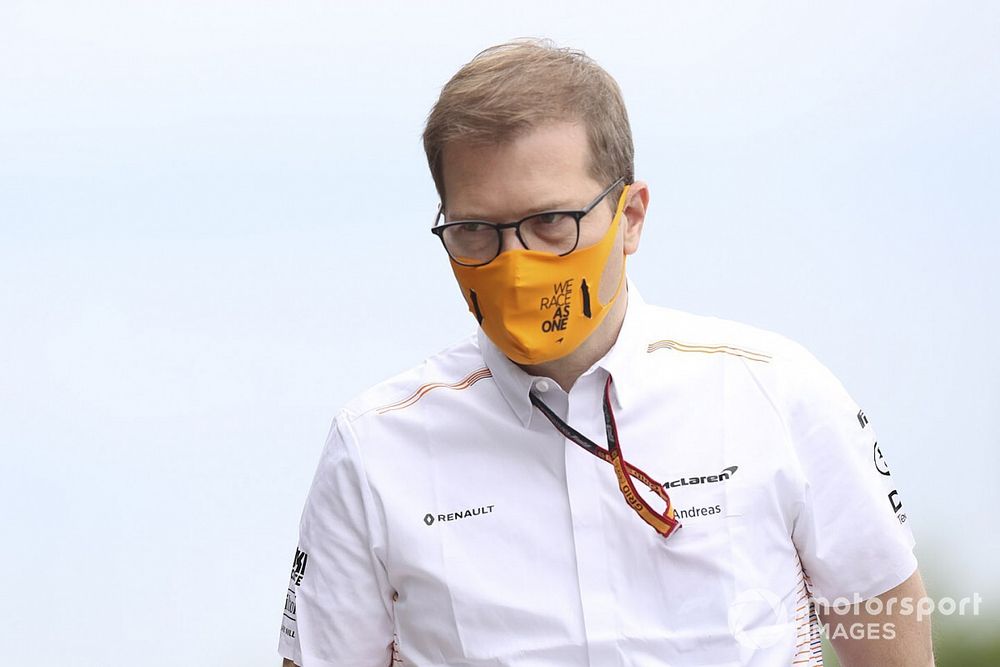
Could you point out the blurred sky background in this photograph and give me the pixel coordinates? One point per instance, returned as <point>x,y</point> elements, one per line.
<point>214,231</point>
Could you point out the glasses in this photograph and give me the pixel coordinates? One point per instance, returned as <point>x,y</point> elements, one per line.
<point>477,242</point>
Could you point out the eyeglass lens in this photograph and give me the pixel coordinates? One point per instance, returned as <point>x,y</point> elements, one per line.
<point>476,242</point>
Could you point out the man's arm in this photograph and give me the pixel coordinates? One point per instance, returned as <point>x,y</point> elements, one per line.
<point>288,663</point>
<point>338,608</point>
<point>892,629</point>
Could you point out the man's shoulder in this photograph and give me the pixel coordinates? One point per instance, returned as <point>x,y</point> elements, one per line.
<point>670,328</point>
<point>783,368</point>
<point>456,367</point>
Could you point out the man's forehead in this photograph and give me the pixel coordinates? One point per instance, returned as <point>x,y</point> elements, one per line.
<point>504,211</point>
<point>546,168</point>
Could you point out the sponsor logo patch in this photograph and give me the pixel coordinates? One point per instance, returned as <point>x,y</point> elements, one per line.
<point>880,463</point>
<point>299,566</point>
<point>431,518</point>
<point>722,476</point>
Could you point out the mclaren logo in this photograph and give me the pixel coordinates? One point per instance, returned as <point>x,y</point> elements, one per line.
<point>725,474</point>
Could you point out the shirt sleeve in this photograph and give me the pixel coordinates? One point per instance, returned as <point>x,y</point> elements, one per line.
<point>338,609</point>
<point>851,529</point>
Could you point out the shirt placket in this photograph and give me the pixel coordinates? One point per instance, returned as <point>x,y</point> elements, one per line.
<point>583,483</point>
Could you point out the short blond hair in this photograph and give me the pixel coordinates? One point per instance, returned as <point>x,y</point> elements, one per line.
<point>513,87</point>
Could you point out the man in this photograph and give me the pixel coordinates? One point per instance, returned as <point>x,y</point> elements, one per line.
<point>589,480</point>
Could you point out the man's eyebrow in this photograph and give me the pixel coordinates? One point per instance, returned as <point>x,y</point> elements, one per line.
<point>560,206</point>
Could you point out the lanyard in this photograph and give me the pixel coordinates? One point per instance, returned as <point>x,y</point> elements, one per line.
<point>662,522</point>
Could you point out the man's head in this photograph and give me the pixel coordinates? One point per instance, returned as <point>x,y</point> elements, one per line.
<point>510,89</point>
<point>522,129</point>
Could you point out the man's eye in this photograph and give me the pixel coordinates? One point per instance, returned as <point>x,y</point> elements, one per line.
<point>550,221</point>
<point>471,227</point>
<point>549,218</point>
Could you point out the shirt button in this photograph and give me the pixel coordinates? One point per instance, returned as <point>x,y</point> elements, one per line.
<point>542,386</point>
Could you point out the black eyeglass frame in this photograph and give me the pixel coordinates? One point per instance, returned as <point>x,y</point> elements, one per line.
<point>439,229</point>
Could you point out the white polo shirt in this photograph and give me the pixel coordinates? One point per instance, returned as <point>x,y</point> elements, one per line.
<point>449,523</point>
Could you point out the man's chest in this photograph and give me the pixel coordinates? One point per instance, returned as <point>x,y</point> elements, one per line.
<point>514,544</point>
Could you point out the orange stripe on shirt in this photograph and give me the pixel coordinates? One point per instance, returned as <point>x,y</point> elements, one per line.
<point>707,349</point>
<point>423,390</point>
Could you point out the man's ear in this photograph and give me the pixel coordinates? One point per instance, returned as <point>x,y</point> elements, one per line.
<point>634,214</point>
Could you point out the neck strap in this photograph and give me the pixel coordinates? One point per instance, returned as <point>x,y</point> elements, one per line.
<point>662,522</point>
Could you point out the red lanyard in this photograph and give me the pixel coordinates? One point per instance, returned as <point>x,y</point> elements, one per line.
<point>662,522</point>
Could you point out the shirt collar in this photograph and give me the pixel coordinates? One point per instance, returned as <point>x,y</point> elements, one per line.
<point>620,361</point>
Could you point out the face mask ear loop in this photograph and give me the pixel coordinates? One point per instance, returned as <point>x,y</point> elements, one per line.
<point>619,214</point>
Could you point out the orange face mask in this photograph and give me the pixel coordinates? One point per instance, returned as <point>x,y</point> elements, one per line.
<point>539,306</point>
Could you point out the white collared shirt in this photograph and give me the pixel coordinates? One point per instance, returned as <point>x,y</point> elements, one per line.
<point>449,523</point>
